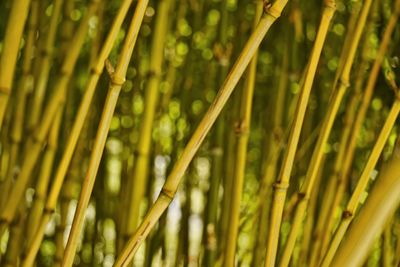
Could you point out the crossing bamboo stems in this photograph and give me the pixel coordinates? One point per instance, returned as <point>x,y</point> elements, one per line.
<point>9,53</point>
<point>242,136</point>
<point>117,80</point>
<point>169,189</point>
<point>373,216</point>
<point>75,131</point>
<point>368,92</point>
<point>352,205</point>
<point>280,187</point>
<point>140,170</point>
<point>45,65</point>
<point>333,108</point>
<point>24,86</point>
<point>35,143</point>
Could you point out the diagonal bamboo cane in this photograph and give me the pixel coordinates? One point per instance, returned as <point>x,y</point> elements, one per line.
<point>117,80</point>
<point>351,208</point>
<point>333,108</point>
<point>280,187</point>
<point>74,135</point>
<point>168,191</point>
<point>373,216</point>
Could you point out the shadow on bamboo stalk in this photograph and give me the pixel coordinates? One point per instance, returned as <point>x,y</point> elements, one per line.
<point>280,187</point>
<point>169,189</point>
<point>35,143</point>
<point>117,80</point>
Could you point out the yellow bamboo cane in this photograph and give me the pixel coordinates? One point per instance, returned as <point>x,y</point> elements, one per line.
<point>8,60</point>
<point>280,187</point>
<point>333,108</point>
<point>373,216</point>
<point>76,129</point>
<point>117,80</point>
<point>168,191</point>
<point>351,208</point>
<point>140,169</point>
<point>35,143</point>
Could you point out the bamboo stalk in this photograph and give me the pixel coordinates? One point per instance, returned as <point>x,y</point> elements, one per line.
<point>46,57</point>
<point>373,216</point>
<point>35,143</point>
<point>280,187</point>
<point>140,170</point>
<point>368,92</point>
<point>117,80</point>
<point>333,108</point>
<point>352,205</point>
<point>24,86</point>
<point>169,189</point>
<point>76,129</point>
<point>8,60</point>
<point>242,136</point>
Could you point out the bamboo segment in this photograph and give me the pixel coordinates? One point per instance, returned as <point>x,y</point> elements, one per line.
<point>140,170</point>
<point>8,60</point>
<point>280,188</point>
<point>336,99</point>
<point>117,80</point>
<point>372,217</point>
<point>242,137</point>
<point>45,65</point>
<point>35,143</point>
<point>169,189</point>
<point>76,129</point>
<point>351,208</point>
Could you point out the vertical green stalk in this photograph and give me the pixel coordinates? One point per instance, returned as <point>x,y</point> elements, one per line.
<point>35,143</point>
<point>140,170</point>
<point>8,60</point>
<point>170,187</point>
<point>242,137</point>
<point>117,80</point>
<point>46,57</point>
<point>280,187</point>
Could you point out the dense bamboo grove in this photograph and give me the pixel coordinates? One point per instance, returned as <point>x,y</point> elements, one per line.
<point>199,133</point>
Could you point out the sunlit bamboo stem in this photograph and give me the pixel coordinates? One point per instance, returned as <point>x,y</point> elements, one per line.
<point>117,80</point>
<point>9,53</point>
<point>169,189</point>
<point>280,187</point>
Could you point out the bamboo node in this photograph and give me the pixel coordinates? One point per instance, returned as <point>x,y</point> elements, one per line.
<point>271,10</point>
<point>280,186</point>
<point>167,193</point>
<point>347,214</point>
<point>330,4</point>
<point>346,84</point>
